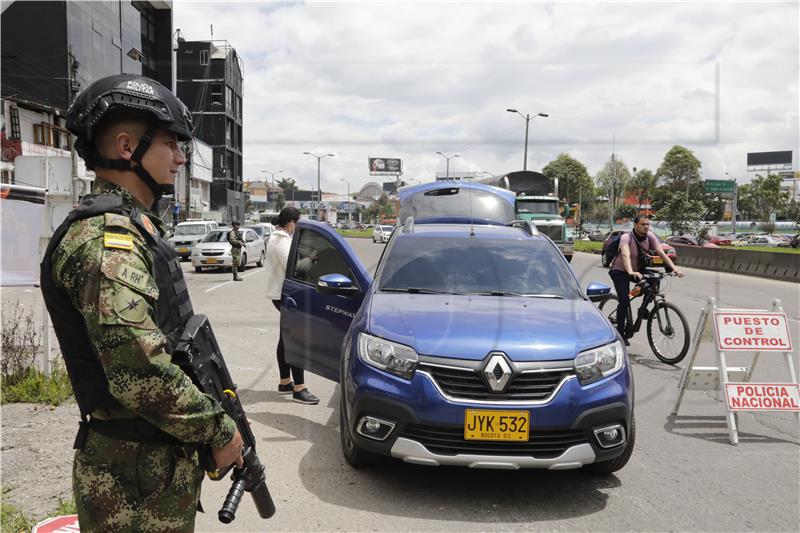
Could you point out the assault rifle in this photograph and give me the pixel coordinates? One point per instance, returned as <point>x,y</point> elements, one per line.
<point>198,354</point>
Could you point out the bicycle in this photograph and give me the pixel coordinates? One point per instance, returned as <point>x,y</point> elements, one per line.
<point>667,329</point>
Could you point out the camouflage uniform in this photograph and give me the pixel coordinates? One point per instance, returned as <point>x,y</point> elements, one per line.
<point>235,239</point>
<point>122,485</point>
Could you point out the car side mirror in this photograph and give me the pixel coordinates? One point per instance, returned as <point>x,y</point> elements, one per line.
<point>598,292</point>
<point>336,284</point>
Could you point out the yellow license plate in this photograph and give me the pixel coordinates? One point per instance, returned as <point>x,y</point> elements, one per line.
<point>496,425</point>
<point>657,261</point>
<point>212,261</point>
<point>183,249</point>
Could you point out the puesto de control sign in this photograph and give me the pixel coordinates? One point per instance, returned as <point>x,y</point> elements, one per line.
<point>763,396</point>
<point>752,331</point>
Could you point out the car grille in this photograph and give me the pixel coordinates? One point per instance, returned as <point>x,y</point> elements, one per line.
<point>450,441</point>
<point>467,384</point>
<point>556,233</point>
<point>182,243</point>
<point>212,254</point>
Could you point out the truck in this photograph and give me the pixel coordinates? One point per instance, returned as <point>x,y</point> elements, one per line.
<point>537,201</point>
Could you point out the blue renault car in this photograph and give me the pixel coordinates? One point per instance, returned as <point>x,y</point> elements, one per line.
<point>472,345</point>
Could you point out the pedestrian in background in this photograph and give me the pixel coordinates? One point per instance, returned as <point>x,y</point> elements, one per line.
<point>277,256</point>
<point>235,240</point>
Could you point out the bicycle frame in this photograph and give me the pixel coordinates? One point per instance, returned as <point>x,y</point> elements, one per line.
<point>650,293</point>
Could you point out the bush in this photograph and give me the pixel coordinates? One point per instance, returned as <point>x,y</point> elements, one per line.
<point>22,381</point>
<point>12,520</point>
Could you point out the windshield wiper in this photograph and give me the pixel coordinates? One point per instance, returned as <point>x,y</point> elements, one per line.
<point>414,290</point>
<point>521,295</point>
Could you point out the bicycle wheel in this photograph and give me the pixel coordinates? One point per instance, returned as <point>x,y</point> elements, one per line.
<point>609,309</point>
<point>668,333</point>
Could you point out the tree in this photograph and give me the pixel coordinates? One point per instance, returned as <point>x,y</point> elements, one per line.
<point>612,180</point>
<point>626,211</point>
<point>643,185</point>
<point>574,182</point>
<point>683,215</point>
<point>288,185</point>
<point>280,201</point>
<point>679,173</point>
<point>380,208</point>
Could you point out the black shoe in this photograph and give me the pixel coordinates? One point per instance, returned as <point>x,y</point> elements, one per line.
<point>286,389</point>
<point>626,342</point>
<point>304,396</point>
<point>237,278</point>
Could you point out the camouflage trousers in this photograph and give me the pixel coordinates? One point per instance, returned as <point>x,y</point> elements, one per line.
<point>236,255</point>
<point>131,486</point>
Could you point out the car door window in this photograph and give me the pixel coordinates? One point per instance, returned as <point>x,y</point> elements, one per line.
<point>316,257</point>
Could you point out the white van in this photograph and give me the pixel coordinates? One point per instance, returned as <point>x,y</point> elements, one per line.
<point>189,233</point>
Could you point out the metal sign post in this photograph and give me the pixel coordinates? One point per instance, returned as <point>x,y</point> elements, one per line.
<point>742,330</point>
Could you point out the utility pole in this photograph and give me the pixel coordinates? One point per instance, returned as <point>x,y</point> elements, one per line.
<point>319,189</point>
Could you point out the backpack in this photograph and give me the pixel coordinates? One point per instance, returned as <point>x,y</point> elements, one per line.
<point>612,251</point>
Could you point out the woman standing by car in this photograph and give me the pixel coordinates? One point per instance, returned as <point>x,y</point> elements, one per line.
<point>277,256</point>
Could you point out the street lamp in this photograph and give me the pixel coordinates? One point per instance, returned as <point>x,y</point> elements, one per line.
<point>734,207</point>
<point>349,217</point>
<point>319,190</point>
<point>527,122</point>
<point>273,177</point>
<point>448,158</point>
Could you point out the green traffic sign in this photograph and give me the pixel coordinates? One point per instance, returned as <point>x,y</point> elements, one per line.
<point>720,186</point>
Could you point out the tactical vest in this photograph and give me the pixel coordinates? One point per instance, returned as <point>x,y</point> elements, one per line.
<point>173,309</point>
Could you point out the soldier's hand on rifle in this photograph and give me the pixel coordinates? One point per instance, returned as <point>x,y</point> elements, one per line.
<point>230,453</point>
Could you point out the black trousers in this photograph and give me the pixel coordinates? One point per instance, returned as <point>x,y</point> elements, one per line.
<point>622,285</point>
<point>298,375</point>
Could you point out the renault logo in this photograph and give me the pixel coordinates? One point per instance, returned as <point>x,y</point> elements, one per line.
<point>497,372</point>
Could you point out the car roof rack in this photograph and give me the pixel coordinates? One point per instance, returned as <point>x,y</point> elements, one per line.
<point>527,225</point>
<point>408,225</point>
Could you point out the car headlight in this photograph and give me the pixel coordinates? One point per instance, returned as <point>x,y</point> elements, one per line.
<point>598,363</point>
<point>392,357</point>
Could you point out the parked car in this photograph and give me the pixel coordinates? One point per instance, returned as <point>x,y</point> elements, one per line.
<point>474,344</point>
<point>720,241</point>
<point>263,229</point>
<point>655,259</point>
<point>189,233</point>
<point>596,236</point>
<point>764,240</point>
<point>215,251</point>
<point>382,233</point>
<point>688,240</point>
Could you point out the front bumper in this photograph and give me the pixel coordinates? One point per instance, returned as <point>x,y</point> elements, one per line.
<point>216,261</point>
<point>429,427</point>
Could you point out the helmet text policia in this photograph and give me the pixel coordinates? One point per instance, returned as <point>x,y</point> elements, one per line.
<point>156,104</point>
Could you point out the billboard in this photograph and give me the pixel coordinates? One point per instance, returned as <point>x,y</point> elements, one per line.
<point>771,160</point>
<point>385,166</point>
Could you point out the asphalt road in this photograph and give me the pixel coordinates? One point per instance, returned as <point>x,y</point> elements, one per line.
<point>684,474</point>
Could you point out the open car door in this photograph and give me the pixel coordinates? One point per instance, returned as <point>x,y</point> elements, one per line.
<point>314,320</point>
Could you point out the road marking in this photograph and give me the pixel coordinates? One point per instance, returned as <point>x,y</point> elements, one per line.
<point>244,276</point>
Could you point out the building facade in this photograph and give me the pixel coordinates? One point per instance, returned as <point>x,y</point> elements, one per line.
<point>209,81</point>
<point>52,50</point>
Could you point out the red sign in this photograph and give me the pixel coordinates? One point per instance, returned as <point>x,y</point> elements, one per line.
<point>59,524</point>
<point>763,396</point>
<point>752,331</point>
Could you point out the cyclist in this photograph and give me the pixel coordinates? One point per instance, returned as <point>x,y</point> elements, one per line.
<point>633,250</point>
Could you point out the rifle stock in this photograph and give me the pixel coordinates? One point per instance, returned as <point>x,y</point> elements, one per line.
<point>199,356</point>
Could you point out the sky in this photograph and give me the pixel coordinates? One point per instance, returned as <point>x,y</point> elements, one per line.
<point>407,80</point>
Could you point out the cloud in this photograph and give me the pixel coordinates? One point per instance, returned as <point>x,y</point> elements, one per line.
<point>409,79</point>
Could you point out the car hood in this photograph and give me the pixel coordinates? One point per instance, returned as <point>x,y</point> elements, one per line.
<point>223,246</point>
<point>469,327</point>
<point>185,238</point>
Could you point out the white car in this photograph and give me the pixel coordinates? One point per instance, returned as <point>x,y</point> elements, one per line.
<point>764,240</point>
<point>189,233</point>
<point>382,233</point>
<point>215,251</point>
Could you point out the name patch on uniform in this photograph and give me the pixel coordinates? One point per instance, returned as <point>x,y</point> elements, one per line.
<point>117,240</point>
<point>132,276</point>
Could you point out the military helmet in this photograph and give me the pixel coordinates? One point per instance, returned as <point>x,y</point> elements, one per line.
<point>235,222</point>
<point>133,93</point>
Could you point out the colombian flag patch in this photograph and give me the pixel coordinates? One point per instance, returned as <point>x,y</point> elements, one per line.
<point>117,240</point>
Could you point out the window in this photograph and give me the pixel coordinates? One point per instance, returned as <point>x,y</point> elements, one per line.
<point>216,93</point>
<point>204,57</point>
<point>316,257</point>
<point>229,99</point>
<point>14,115</point>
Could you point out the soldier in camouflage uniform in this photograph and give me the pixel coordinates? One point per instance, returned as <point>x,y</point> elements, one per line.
<point>116,315</point>
<point>236,242</point>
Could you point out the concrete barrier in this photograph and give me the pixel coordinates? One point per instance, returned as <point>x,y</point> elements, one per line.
<point>772,265</point>
<point>738,260</point>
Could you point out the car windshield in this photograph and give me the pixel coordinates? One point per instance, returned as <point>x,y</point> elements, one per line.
<point>257,229</point>
<point>387,228</point>
<point>216,236</point>
<point>477,266</point>
<point>192,229</point>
